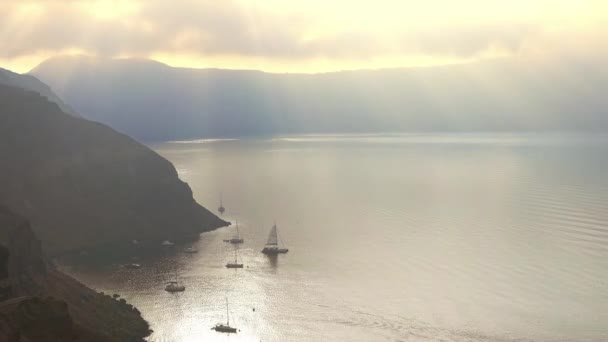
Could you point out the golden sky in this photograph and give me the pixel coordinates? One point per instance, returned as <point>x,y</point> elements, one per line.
<point>299,36</point>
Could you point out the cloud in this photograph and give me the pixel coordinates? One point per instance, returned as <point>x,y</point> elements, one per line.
<point>466,41</point>
<point>228,27</point>
<point>202,27</point>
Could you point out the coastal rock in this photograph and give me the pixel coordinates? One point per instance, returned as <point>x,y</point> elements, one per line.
<point>83,185</point>
<point>39,303</point>
<point>36,319</point>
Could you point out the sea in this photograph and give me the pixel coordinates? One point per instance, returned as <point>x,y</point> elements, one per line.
<point>391,237</point>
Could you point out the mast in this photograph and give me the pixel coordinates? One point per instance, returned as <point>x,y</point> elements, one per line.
<point>221,209</point>
<point>227,314</point>
<point>280,240</point>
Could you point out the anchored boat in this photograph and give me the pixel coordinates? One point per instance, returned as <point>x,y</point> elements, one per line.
<point>221,209</point>
<point>175,286</point>
<point>237,238</point>
<point>272,245</point>
<point>225,328</point>
<point>190,250</point>
<point>235,264</point>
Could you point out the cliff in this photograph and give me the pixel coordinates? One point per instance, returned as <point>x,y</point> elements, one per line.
<point>84,185</point>
<point>40,303</point>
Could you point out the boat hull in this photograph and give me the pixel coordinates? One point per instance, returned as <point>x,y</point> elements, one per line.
<point>225,329</point>
<point>274,251</point>
<point>175,289</point>
<point>234,265</point>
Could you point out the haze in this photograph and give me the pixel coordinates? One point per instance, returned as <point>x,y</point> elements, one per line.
<point>301,36</point>
<point>320,170</point>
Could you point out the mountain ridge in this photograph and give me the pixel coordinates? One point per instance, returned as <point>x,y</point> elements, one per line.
<point>30,82</point>
<point>156,102</point>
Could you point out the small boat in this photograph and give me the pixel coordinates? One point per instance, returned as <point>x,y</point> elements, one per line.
<point>167,243</point>
<point>174,286</point>
<point>132,266</point>
<point>190,250</point>
<point>272,245</point>
<point>221,209</point>
<point>225,328</point>
<point>234,264</point>
<point>237,238</point>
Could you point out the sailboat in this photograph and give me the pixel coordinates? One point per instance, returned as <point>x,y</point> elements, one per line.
<point>237,238</point>
<point>272,245</point>
<point>226,328</point>
<point>221,209</point>
<point>235,264</point>
<point>174,286</point>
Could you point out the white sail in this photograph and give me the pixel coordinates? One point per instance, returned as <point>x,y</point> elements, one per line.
<point>238,235</point>
<point>272,238</point>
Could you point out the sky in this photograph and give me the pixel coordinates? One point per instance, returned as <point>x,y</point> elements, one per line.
<point>300,36</point>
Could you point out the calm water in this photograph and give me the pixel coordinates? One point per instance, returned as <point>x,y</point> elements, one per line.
<point>392,238</point>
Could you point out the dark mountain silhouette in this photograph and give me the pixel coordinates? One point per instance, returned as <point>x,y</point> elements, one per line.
<point>152,101</point>
<point>83,185</point>
<point>30,82</point>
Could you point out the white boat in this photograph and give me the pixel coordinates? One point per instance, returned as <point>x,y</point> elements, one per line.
<point>175,286</point>
<point>190,250</point>
<point>235,264</point>
<point>132,266</point>
<point>167,243</point>
<point>237,238</point>
<point>272,245</point>
<point>225,328</point>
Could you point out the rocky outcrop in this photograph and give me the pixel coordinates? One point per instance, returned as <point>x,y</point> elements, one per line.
<point>83,185</point>
<point>42,304</point>
<point>36,319</point>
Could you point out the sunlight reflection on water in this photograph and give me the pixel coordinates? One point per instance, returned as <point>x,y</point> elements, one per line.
<point>499,238</point>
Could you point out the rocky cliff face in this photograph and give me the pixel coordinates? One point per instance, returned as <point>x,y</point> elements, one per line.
<point>37,319</point>
<point>40,303</point>
<point>82,184</point>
